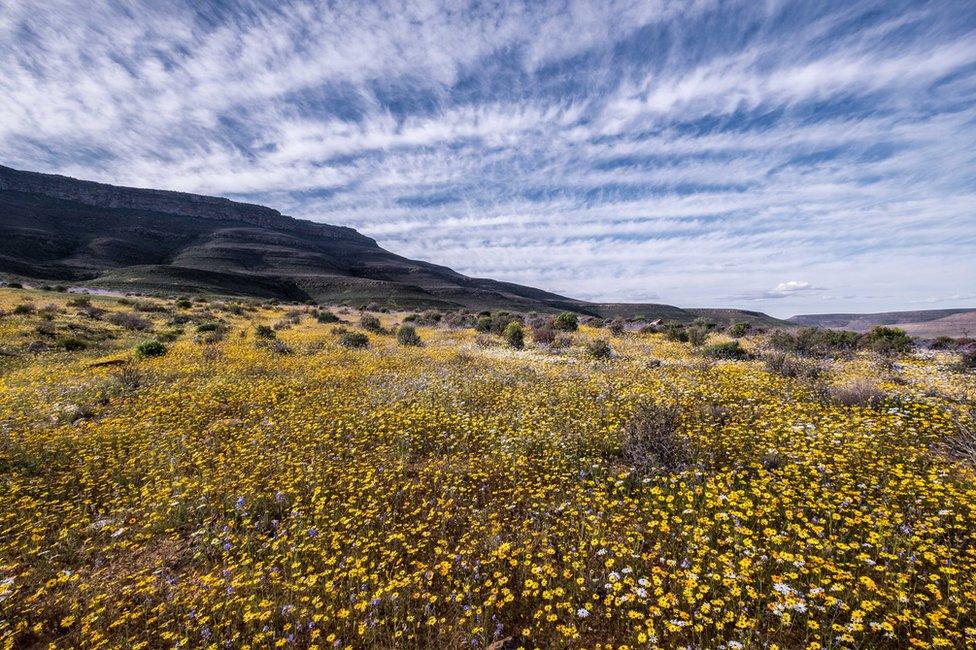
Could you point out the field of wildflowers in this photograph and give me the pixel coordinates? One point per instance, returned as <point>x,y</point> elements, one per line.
<point>246,487</point>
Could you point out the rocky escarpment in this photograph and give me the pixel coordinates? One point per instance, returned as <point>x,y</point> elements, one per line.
<point>164,201</point>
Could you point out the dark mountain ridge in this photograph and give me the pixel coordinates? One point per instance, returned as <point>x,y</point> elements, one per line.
<point>59,228</point>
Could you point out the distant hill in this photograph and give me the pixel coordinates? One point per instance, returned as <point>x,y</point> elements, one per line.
<point>62,229</point>
<point>926,323</point>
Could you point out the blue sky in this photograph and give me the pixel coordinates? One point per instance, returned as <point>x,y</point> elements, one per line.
<point>784,156</point>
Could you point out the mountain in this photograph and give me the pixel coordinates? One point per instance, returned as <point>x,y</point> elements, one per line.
<point>63,229</point>
<point>926,323</point>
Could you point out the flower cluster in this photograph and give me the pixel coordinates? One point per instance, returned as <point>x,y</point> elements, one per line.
<point>455,495</point>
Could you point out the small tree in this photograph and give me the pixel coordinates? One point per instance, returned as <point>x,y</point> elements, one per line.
<point>616,327</point>
<point>566,322</point>
<point>515,335</point>
<point>483,324</point>
<point>407,335</point>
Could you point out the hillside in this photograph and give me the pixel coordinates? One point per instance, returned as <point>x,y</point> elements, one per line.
<point>925,323</point>
<point>62,229</point>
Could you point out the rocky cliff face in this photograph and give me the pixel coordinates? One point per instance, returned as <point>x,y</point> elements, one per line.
<point>164,201</point>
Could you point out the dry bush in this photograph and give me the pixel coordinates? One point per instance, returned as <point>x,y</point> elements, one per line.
<point>784,365</point>
<point>863,392</point>
<point>128,378</point>
<point>486,341</point>
<point>961,446</point>
<point>652,440</point>
<point>130,321</point>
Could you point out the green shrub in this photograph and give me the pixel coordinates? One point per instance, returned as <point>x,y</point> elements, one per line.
<point>729,350</point>
<point>615,327</point>
<point>483,324</point>
<point>407,335</point>
<point>500,322</point>
<point>514,335</point>
<point>326,316</point>
<point>813,341</point>
<point>566,322</point>
<point>353,340</point>
<point>72,343</point>
<point>887,340</point>
<point>370,323</point>
<point>674,331</point>
<point>599,349</point>
<point>738,330</point>
<point>151,348</point>
<point>430,317</point>
<point>24,309</point>
<point>207,327</point>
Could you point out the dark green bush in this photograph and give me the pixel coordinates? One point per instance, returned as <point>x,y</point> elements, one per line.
<point>887,340</point>
<point>207,327</point>
<point>674,331</point>
<point>353,340</point>
<point>514,335</point>
<point>71,343</point>
<point>407,335</point>
<point>616,327</point>
<point>326,317</point>
<point>738,330</point>
<point>370,323</point>
<point>729,350</point>
<point>814,341</point>
<point>483,324</point>
<point>151,348</point>
<point>500,322</point>
<point>566,322</point>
